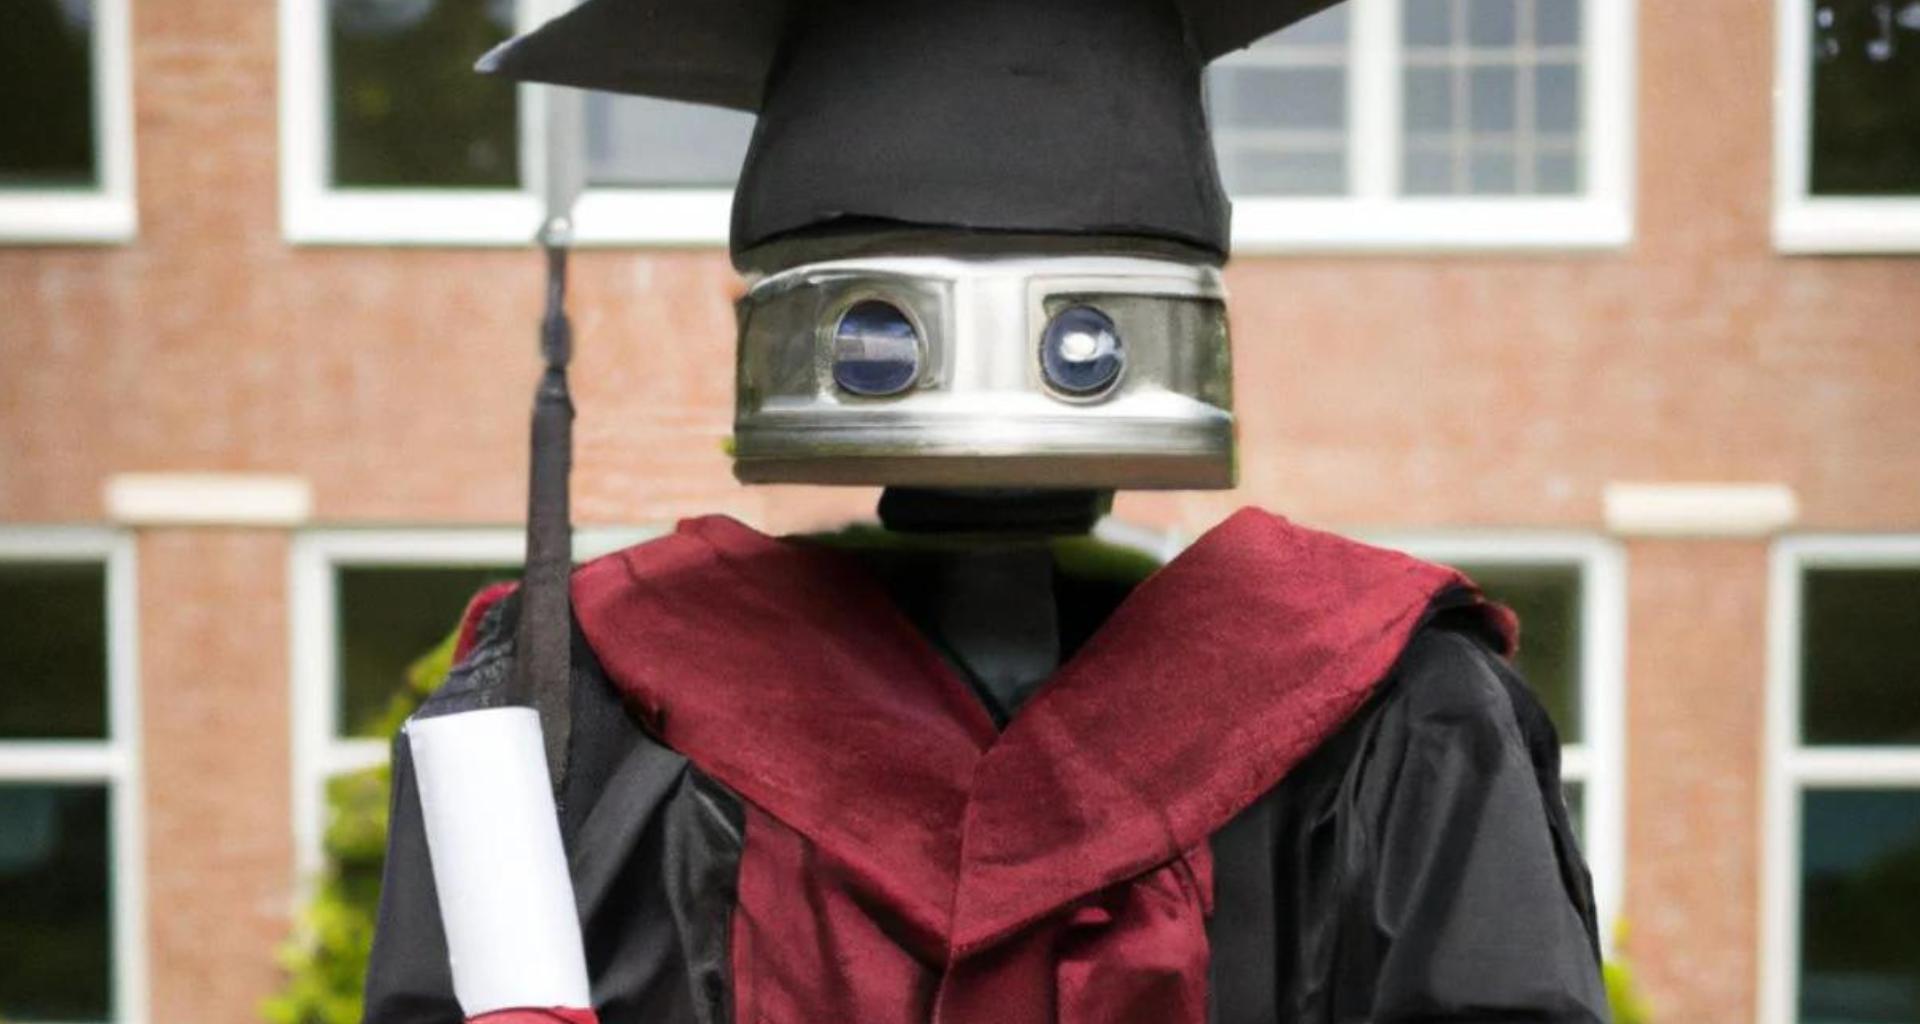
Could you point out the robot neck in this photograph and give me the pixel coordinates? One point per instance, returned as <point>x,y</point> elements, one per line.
<point>993,514</point>
<point>976,576</point>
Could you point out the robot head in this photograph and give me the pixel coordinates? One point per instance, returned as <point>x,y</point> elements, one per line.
<point>983,235</point>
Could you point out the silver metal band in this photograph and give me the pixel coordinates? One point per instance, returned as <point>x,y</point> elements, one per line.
<point>982,412</point>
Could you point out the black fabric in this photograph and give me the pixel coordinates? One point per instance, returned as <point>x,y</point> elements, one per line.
<point>1420,866</point>
<point>1068,117</point>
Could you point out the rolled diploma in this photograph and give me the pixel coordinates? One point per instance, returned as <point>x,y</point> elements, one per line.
<point>493,837</point>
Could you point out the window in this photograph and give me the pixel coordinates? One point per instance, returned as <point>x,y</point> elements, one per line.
<point>366,605</point>
<point>71,933</point>
<point>1847,129</point>
<point>66,122</point>
<point>1377,124</point>
<point>388,135</point>
<point>1843,868</point>
<point>1570,594</point>
<point>1397,124</point>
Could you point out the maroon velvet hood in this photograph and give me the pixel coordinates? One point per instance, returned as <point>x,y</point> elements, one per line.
<point>903,860</point>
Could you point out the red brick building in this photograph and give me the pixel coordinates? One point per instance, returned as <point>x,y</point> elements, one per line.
<point>1614,303</point>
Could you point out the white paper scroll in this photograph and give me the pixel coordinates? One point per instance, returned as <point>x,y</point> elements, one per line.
<point>513,933</point>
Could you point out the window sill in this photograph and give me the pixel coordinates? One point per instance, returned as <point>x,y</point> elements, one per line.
<point>66,218</point>
<point>1465,225</point>
<point>1835,226</point>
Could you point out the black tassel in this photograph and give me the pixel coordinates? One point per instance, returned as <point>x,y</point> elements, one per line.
<point>543,656</point>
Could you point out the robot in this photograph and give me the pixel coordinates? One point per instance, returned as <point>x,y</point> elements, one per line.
<point>969,767</point>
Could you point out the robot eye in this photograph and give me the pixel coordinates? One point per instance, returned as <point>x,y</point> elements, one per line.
<point>1081,352</point>
<point>876,350</point>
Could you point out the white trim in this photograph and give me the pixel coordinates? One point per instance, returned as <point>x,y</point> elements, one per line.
<point>1792,768</point>
<point>107,212</point>
<point>114,761</point>
<point>1804,223</point>
<point>1699,510</point>
<point>1599,761</point>
<point>319,754</point>
<point>207,499</point>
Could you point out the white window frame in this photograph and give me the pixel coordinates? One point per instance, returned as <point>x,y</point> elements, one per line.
<point>317,555</point>
<point>1374,217</point>
<point>1598,763</point>
<point>1371,218</point>
<point>107,212</point>
<point>114,761</point>
<point>1793,768</point>
<point>1802,222</point>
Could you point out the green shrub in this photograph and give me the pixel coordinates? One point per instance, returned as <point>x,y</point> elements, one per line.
<point>326,956</point>
<point>1622,995</point>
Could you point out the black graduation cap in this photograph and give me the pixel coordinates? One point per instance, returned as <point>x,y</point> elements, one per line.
<point>1052,117</point>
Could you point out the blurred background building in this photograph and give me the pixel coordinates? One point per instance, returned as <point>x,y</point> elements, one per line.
<point>1615,304</point>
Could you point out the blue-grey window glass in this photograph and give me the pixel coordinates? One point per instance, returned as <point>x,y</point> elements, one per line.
<point>56,903</point>
<point>636,142</point>
<point>1279,111</point>
<point>47,129</point>
<point>1860,656</point>
<point>408,110</point>
<point>1865,116</point>
<point>1547,599</point>
<point>389,616</point>
<point>1491,97</point>
<point>1860,906</point>
<point>53,650</point>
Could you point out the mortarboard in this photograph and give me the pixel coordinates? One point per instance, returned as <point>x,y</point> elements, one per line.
<point>1062,118</point>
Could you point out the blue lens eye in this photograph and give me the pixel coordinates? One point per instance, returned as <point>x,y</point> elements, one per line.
<point>1081,352</point>
<point>876,350</point>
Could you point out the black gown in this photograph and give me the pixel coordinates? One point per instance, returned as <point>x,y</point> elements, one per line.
<point>1420,865</point>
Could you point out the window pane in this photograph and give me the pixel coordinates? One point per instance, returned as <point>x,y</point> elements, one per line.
<point>636,142</point>
<point>56,932</point>
<point>1866,98</point>
<point>1556,22</point>
<point>1493,22</point>
<point>1250,170</point>
<point>389,617</point>
<point>46,93</point>
<point>408,108</point>
<point>1547,599</point>
<point>1556,100</point>
<point>1279,111</point>
<point>1860,887</point>
<point>1489,87</point>
<point>53,650</point>
<point>1860,656</point>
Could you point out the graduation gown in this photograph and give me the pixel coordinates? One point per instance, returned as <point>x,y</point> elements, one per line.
<point>1289,778</point>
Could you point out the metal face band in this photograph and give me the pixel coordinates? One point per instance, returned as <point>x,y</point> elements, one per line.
<point>1101,372</point>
